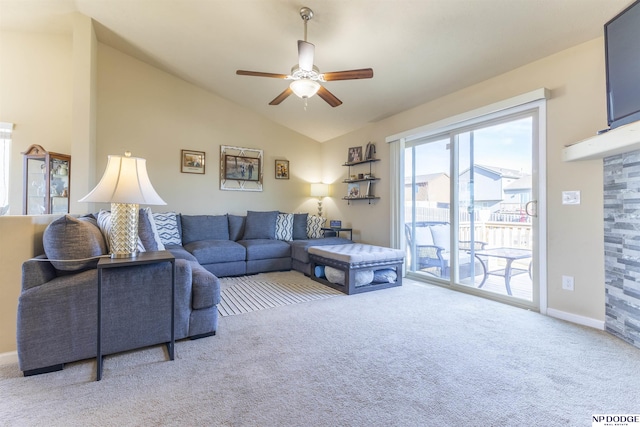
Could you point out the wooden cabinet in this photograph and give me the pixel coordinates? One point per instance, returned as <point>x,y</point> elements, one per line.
<point>46,182</point>
<point>360,184</point>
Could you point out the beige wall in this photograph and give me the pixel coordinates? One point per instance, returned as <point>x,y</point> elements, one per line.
<point>155,115</point>
<point>36,78</point>
<point>575,111</point>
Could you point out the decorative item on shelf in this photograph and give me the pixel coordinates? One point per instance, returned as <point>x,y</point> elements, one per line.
<point>370,151</point>
<point>353,191</point>
<point>192,161</point>
<point>335,223</point>
<point>319,190</point>
<point>355,155</point>
<point>282,169</point>
<point>125,184</point>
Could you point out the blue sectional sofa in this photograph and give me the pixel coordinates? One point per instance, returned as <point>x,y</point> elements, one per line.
<point>57,307</point>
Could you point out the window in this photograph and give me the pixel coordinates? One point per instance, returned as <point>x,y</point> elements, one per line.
<point>5,156</point>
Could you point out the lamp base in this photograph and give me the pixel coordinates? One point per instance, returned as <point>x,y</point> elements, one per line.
<point>123,239</point>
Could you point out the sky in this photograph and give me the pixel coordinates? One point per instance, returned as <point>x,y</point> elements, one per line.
<point>505,145</point>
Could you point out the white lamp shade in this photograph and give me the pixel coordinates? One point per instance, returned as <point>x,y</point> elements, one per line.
<point>125,180</point>
<point>319,190</point>
<point>304,88</point>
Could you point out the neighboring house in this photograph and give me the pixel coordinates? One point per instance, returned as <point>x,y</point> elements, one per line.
<point>432,188</point>
<point>495,188</point>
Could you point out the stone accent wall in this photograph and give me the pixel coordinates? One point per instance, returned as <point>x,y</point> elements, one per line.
<point>622,245</point>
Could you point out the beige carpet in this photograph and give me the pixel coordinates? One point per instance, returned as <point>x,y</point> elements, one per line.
<point>261,291</point>
<point>415,355</point>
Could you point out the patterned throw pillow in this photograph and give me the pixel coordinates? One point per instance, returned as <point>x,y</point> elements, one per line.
<point>104,222</point>
<point>284,227</point>
<point>167,226</point>
<point>314,226</point>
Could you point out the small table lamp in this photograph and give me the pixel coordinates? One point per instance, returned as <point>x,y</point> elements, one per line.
<point>319,190</point>
<point>125,184</point>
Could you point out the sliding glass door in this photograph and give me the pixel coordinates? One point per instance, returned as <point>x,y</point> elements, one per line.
<point>469,196</point>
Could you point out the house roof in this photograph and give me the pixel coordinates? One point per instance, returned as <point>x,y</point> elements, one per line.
<point>420,50</point>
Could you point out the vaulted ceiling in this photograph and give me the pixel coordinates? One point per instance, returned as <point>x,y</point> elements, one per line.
<point>419,49</point>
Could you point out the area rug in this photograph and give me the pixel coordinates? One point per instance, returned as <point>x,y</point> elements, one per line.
<point>268,290</point>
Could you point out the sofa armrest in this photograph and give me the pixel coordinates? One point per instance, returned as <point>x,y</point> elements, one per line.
<point>37,271</point>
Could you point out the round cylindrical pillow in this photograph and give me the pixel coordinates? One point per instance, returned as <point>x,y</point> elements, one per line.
<point>363,277</point>
<point>72,243</point>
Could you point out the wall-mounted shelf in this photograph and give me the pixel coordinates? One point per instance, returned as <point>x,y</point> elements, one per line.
<point>368,178</point>
<point>617,141</point>
<point>369,198</point>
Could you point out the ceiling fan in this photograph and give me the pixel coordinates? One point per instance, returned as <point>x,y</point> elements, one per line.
<point>305,76</point>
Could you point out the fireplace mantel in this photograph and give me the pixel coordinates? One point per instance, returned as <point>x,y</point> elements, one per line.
<point>617,141</point>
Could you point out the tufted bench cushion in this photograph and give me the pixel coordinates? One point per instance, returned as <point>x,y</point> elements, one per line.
<point>355,258</point>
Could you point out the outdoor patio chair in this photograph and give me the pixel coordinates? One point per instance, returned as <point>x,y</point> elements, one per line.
<point>433,250</point>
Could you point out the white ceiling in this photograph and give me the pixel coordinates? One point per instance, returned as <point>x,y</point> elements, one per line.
<point>419,49</point>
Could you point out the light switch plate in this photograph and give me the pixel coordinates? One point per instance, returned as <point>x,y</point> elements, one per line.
<point>571,197</point>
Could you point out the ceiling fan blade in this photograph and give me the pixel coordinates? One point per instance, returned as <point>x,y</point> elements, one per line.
<point>329,97</point>
<point>364,73</point>
<point>260,74</point>
<point>284,95</point>
<point>306,52</point>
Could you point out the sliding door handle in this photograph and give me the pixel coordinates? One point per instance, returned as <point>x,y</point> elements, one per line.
<point>531,208</point>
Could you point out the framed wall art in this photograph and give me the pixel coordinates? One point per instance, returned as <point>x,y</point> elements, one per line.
<point>282,169</point>
<point>355,155</point>
<point>241,169</point>
<point>191,161</point>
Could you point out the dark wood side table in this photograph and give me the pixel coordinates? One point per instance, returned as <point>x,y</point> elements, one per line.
<point>141,259</point>
<point>338,230</point>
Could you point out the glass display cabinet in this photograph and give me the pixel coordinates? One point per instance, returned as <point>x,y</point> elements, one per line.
<point>46,182</point>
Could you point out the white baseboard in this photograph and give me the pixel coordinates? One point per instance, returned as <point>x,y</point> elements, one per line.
<point>574,318</point>
<point>8,358</point>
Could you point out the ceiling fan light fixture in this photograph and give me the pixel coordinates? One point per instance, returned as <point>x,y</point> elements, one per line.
<point>304,88</point>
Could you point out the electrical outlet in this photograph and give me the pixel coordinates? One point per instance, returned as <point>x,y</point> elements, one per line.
<point>567,283</point>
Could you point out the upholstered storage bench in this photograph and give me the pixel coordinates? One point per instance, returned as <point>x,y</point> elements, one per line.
<point>353,259</point>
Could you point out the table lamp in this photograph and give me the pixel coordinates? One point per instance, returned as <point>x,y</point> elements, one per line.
<point>125,184</point>
<point>319,190</point>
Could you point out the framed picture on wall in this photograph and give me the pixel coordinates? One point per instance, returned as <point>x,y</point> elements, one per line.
<point>241,168</point>
<point>282,169</point>
<point>355,155</point>
<point>192,161</point>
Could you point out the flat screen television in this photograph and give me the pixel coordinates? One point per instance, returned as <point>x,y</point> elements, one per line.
<point>622,62</point>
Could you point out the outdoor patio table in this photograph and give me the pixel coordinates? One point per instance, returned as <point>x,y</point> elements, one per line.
<point>509,255</point>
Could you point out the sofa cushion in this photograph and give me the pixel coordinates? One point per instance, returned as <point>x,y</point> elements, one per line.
<point>236,227</point>
<point>168,228</point>
<point>284,227</point>
<point>216,251</point>
<point>314,226</point>
<point>266,249</point>
<point>69,238</point>
<point>300,226</point>
<point>204,227</point>
<point>180,252</point>
<point>105,224</point>
<point>147,231</point>
<point>260,225</point>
